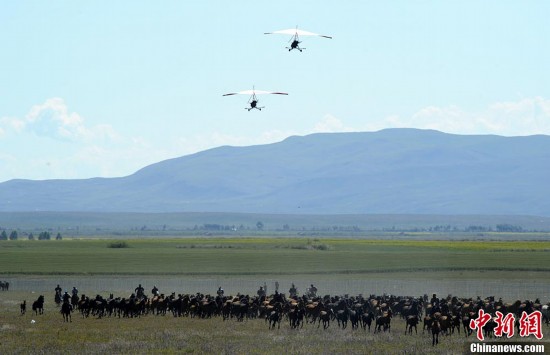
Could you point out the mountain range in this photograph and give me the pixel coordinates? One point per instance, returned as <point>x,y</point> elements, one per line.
<point>393,171</point>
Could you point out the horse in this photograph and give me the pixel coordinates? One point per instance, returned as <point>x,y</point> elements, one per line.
<point>412,321</point>
<point>4,285</point>
<point>466,323</point>
<point>436,328</point>
<point>207,308</point>
<point>274,318</point>
<point>74,301</point>
<point>342,317</point>
<point>239,310</point>
<point>384,322</point>
<point>325,316</point>
<point>66,309</point>
<point>38,305</point>
<point>23,307</point>
<point>366,320</point>
<point>57,298</point>
<point>313,310</point>
<point>354,318</point>
<point>296,317</point>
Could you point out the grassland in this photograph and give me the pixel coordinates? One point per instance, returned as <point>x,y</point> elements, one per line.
<point>323,260</point>
<point>338,265</point>
<point>268,256</point>
<point>168,335</point>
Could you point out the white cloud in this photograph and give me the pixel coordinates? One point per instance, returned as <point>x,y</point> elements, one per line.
<point>53,119</point>
<point>330,124</point>
<point>11,124</point>
<point>50,141</point>
<point>71,148</point>
<point>511,118</point>
<point>523,117</point>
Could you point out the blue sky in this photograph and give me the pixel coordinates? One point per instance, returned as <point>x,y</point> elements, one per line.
<point>104,88</point>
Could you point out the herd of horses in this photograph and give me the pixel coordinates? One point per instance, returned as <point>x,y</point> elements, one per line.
<point>4,285</point>
<point>445,316</point>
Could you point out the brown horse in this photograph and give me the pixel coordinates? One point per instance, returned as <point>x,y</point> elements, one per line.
<point>313,311</point>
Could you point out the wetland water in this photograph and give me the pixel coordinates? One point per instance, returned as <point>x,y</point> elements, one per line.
<point>509,290</point>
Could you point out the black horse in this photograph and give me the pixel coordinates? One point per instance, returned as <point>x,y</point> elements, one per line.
<point>412,322</point>
<point>274,318</point>
<point>74,301</point>
<point>66,309</point>
<point>38,305</point>
<point>383,322</point>
<point>325,317</point>
<point>57,297</point>
<point>436,329</point>
<point>296,318</point>
<point>342,316</point>
<point>23,307</point>
<point>4,285</point>
<point>366,320</point>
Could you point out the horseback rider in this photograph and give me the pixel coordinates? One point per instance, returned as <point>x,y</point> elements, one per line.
<point>66,297</point>
<point>139,291</point>
<point>261,292</point>
<point>293,291</point>
<point>313,290</point>
<point>434,300</point>
<point>278,297</point>
<point>75,291</point>
<point>220,291</point>
<point>155,291</point>
<point>58,294</point>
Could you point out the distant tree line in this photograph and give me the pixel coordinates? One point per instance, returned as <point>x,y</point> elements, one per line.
<point>356,229</point>
<point>218,227</point>
<point>14,236</point>
<point>469,229</point>
<point>478,229</point>
<point>209,228</point>
<point>509,228</point>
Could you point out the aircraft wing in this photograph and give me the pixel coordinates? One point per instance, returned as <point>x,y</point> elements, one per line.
<point>257,92</point>
<point>293,31</point>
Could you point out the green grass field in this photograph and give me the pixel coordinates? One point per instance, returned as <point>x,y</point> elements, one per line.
<point>324,261</point>
<point>169,335</point>
<point>268,256</point>
<point>348,265</point>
